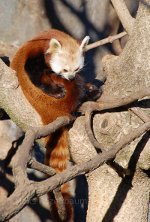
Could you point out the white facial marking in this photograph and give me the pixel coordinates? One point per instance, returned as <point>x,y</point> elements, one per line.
<point>66,64</point>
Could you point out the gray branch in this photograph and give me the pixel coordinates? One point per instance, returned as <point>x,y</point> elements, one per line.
<point>124,15</point>
<point>24,192</point>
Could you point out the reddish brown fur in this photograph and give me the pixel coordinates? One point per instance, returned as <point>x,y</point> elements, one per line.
<point>39,100</point>
<point>49,107</point>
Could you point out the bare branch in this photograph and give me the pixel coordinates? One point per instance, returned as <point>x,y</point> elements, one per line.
<point>19,163</point>
<point>60,204</point>
<point>109,102</point>
<point>23,194</point>
<point>89,132</point>
<point>41,167</point>
<point>96,161</point>
<point>124,15</point>
<point>57,192</point>
<point>109,39</point>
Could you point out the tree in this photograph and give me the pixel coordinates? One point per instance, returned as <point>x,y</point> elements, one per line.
<point>121,121</point>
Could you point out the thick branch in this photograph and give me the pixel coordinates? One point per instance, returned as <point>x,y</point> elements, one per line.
<point>19,163</point>
<point>110,102</point>
<point>23,194</point>
<point>105,103</point>
<point>124,15</point>
<point>13,101</point>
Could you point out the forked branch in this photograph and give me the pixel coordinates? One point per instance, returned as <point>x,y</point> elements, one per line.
<point>105,103</point>
<point>24,192</point>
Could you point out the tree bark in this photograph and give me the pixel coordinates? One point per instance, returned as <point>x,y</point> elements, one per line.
<point>17,106</point>
<point>112,198</point>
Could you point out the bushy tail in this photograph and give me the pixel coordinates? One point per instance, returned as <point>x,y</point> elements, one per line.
<point>57,156</point>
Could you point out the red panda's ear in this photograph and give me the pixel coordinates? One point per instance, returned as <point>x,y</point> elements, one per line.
<point>84,42</point>
<point>54,45</point>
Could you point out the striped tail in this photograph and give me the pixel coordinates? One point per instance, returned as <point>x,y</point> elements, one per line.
<point>57,156</point>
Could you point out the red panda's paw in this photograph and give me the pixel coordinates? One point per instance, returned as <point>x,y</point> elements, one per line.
<point>60,92</point>
<point>93,92</point>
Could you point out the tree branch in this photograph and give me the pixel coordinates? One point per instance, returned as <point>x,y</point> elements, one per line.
<point>109,39</point>
<point>13,101</point>
<point>110,102</point>
<point>26,191</point>
<point>89,132</point>
<point>107,102</point>
<point>41,167</point>
<point>124,15</point>
<point>19,163</point>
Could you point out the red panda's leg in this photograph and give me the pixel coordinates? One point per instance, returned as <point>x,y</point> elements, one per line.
<point>92,92</point>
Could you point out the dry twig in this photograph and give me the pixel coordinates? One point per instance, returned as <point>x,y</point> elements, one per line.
<point>41,167</point>
<point>109,39</point>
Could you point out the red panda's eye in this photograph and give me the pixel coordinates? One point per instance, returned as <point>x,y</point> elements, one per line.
<point>65,70</point>
<point>77,69</point>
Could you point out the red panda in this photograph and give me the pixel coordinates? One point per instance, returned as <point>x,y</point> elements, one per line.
<point>47,68</point>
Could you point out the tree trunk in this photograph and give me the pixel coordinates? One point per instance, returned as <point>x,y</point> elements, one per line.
<point>112,198</point>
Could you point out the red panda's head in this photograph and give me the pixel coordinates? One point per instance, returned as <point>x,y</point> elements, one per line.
<point>66,57</point>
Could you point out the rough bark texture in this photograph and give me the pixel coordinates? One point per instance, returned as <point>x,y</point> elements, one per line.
<point>9,86</point>
<point>110,197</point>
<point>120,199</point>
<point>129,72</point>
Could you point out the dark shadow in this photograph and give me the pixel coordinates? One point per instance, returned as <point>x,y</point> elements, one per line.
<point>126,183</point>
<point>40,211</point>
<point>81,199</point>
<point>7,185</point>
<point>5,59</point>
<point>144,103</point>
<point>81,14</point>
